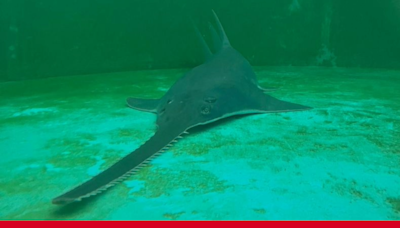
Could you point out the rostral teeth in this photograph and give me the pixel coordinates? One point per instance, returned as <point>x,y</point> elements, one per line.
<point>130,172</point>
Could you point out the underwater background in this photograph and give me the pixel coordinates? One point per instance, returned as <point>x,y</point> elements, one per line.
<point>67,67</point>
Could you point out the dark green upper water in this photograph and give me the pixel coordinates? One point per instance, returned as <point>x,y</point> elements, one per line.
<point>67,37</point>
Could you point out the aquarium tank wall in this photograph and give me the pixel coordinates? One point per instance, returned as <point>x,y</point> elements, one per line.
<point>60,38</point>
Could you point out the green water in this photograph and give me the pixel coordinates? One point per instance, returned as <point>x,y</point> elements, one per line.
<point>68,66</point>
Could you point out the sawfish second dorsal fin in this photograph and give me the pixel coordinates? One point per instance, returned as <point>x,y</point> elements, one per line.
<point>220,40</point>
<point>206,50</point>
<point>225,41</point>
<point>215,37</point>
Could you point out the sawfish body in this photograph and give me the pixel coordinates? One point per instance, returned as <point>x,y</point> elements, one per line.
<point>224,85</point>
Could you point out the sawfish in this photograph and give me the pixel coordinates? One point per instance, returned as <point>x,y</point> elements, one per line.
<point>224,85</point>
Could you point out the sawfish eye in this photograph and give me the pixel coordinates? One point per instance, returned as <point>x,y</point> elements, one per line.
<point>162,111</point>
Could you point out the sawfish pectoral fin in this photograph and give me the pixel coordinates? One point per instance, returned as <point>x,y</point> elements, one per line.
<point>124,168</point>
<point>145,105</point>
<point>272,104</point>
<point>268,89</point>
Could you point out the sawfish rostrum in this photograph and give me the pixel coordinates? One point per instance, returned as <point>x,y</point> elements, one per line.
<point>224,85</point>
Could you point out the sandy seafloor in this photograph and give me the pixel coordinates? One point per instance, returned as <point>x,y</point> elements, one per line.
<point>338,161</point>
